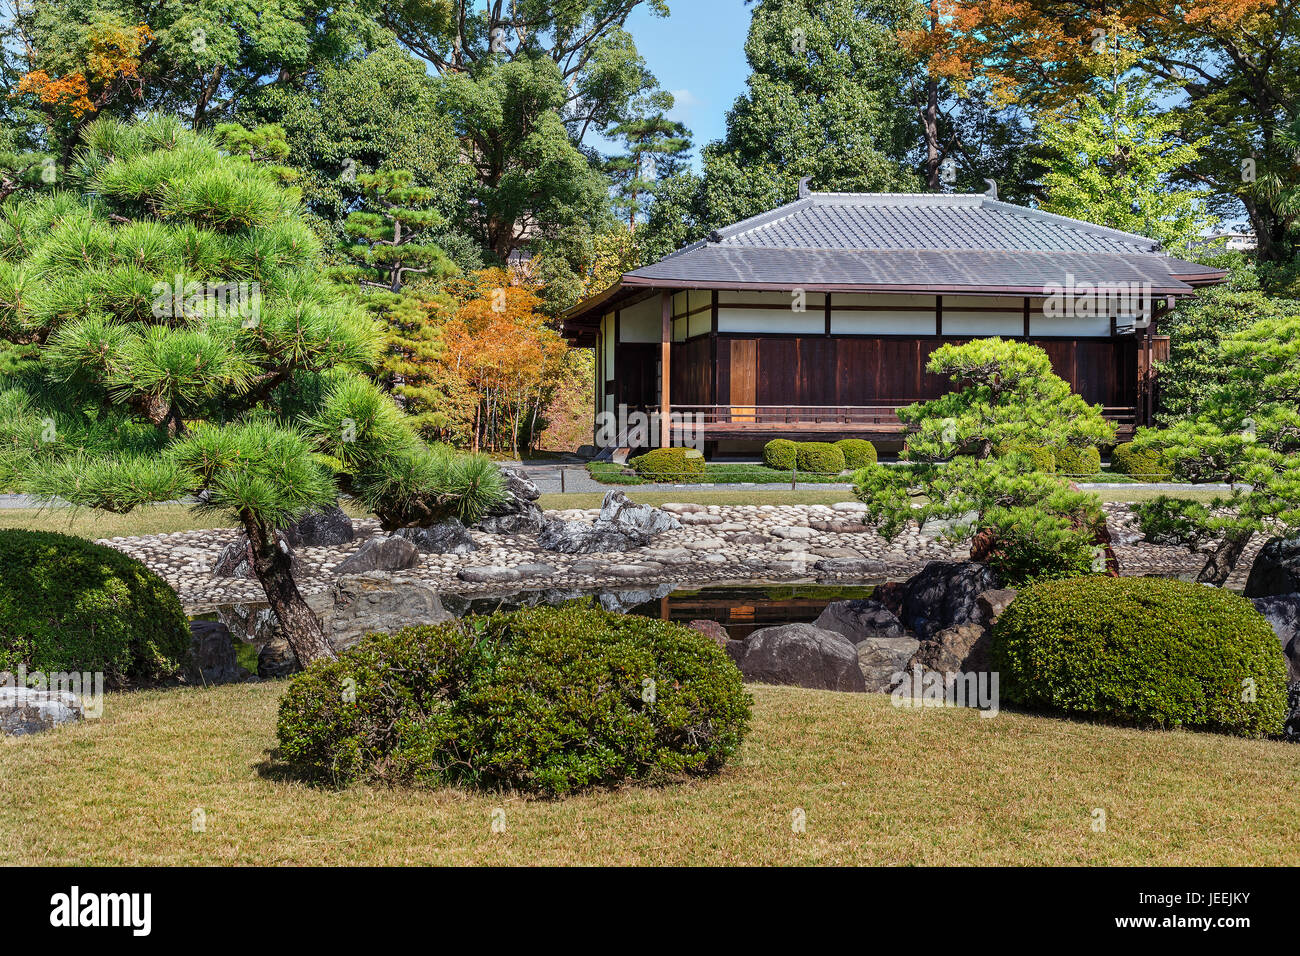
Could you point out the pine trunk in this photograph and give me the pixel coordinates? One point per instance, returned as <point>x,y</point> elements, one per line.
<point>1224,559</point>
<point>274,570</point>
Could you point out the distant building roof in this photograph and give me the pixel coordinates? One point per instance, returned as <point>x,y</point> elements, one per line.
<point>896,242</point>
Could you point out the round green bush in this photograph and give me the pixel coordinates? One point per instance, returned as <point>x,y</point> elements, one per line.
<point>68,604</point>
<point>548,700</point>
<point>1149,464</point>
<point>780,453</point>
<point>669,464</point>
<point>821,457</point>
<point>857,452</point>
<point>1075,462</point>
<point>1044,458</point>
<point>1148,651</point>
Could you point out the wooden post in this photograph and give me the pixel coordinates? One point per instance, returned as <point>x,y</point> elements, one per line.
<point>666,367</point>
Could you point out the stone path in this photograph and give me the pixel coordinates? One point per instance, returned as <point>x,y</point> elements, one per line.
<point>716,544</point>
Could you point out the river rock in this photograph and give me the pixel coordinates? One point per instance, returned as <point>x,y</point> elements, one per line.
<point>446,537</point>
<point>489,574</point>
<point>1282,611</point>
<point>801,655</point>
<point>869,567</point>
<point>380,554</point>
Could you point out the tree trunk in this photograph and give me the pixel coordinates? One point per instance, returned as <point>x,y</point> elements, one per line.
<point>1224,559</point>
<point>275,571</point>
<point>930,130</point>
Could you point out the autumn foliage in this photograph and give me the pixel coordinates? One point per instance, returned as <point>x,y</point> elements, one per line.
<point>112,59</point>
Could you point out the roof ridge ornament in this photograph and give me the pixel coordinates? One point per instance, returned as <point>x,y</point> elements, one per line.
<point>992,192</point>
<point>804,191</point>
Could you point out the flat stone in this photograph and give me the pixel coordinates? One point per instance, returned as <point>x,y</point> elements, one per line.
<point>792,533</point>
<point>629,570</point>
<point>849,506</point>
<point>693,518</point>
<point>671,556</point>
<point>683,508</point>
<point>535,570</point>
<point>489,574</point>
<point>380,554</point>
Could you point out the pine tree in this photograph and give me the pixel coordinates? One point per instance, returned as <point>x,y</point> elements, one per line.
<point>393,236</point>
<point>654,148</point>
<point>176,305</point>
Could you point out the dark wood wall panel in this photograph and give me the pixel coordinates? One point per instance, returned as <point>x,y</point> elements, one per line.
<point>850,370</point>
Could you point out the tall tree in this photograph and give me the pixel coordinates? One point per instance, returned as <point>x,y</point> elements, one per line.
<point>391,235</point>
<point>654,148</point>
<point>1112,157</point>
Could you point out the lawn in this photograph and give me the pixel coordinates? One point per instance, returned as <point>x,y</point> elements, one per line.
<point>722,472</point>
<point>877,785</point>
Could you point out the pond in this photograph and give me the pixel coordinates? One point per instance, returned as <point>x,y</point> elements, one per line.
<point>741,608</point>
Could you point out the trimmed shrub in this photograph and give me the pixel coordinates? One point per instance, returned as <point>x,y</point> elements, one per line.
<point>821,457</point>
<point>548,700</point>
<point>857,452</point>
<point>68,604</point>
<point>1044,458</point>
<point>1147,463</point>
<point>780,453</point>
<point>1149,651</point>
<point>1078,462</point>
<point>669,464</point>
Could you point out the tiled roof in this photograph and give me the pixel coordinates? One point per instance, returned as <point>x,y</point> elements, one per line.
<point>917,241</point>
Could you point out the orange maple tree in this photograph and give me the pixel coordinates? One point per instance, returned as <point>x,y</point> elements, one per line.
<point>112,61</point>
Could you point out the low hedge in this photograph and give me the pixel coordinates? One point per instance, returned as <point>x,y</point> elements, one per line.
<point>1148,463</point>
<point>1043,457</point>
<point>669,464</point>
<point>858,452</point>
<point>781,453</point>
<point>821,457</point>
<point>548,700</point>
<point>68,604</point>
<point>1148,651</point>
<point>1072,461</point>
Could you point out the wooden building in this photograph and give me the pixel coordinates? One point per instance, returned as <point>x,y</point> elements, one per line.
<point>815,320</point>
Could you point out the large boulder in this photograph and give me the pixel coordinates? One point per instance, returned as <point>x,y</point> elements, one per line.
<point>446,537</point>
<point>944,594</point>
<point>801,655</point>
<point>621,526</point>
<point>880,658</point>
<point>1282,611</point>
<point>519,513</point>
<point>1276,569</point>
<point>961,649</point>
<point>351,608</point>
<point>380,554</point>
<point>712,630</point>
<point>859,620</point>
<point>24,710</point>
<point>321,529</point>
<point>212,657</point>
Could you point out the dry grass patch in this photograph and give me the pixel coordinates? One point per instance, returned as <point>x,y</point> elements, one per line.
<point>878,785</point>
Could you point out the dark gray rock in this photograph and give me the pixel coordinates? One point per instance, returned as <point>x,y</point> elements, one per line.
<point>623,601</point>
<point>880,658</point>
<point>1276,569</point>
<point>536,570</point>
<point>944,594</point>
<point>519,512</point>
<point>446,537</point>
<point>24,710</point>
<point>380,554</point>
<point>212,657</point>
<point>1282,611</point>
<point>351,608</point>
<point>321,529</point>
<point>859,620</point>
<point>235,560</point>
<point>961,649</point>
<point>621,526</point>
<point>801,655</point>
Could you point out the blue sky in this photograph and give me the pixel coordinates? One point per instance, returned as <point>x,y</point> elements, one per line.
<point>698,54</point>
